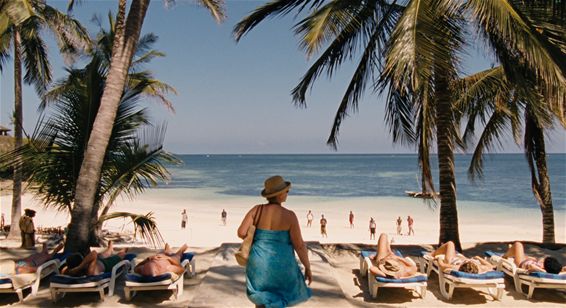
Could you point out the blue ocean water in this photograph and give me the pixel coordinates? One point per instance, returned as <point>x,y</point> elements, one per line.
<point>506,179</point>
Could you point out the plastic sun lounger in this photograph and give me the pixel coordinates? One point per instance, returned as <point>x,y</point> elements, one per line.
<point>492,281</point>
<point>44,270</point>
<point>167,281</point>
<point>62,284</point>
<point>523,277</point>
<point>418,282</point>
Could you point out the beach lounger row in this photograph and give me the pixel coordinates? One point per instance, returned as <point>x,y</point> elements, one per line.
<point>62,284</point>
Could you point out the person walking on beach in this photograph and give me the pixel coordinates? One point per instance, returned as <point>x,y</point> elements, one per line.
<point>323,223</point>
<point>273,277</point>
<point>223,216</point>
<point>399,222</point>
<point>184,219</point>
<point>410,222</point>
<point>372,227</point>
<point>27,229</point>
<point>310,217</point>
<point>351,219</point>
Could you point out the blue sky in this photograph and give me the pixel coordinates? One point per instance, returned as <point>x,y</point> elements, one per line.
<point>235,98</point>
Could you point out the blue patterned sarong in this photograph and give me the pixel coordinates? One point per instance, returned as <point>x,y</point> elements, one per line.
<point>273,277</point>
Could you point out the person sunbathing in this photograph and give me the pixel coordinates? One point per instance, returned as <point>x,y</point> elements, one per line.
<point>29,264</point>
<point>94,263</point>
<point>161,263</point>
<point>547,264</point>
<point>455,261</point>
<point>386,264</point>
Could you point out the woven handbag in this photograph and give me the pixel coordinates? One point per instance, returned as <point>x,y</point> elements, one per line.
<point>244,251</point>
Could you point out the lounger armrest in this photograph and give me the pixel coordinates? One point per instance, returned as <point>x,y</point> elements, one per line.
<point>115,273</point>
<point>42,271</point>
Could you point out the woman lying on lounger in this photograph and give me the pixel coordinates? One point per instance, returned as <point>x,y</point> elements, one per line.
<point>387,264</point>
<point>161,263</point>
<point>532,264</point>
<point>29,264</point>
<point>94,263</point>
<point>455,261</point>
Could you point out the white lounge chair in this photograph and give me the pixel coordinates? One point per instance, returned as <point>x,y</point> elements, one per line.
<point>62,284</point>
<point>492,281</point>
<point>523,277</point>
<point>167,281</point>
<point>417,282</point>
<point>19,282</point>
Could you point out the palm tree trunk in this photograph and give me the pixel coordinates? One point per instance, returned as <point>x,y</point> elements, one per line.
<point>125,40</point>
<point>445,147</point>
<point>540,182</point>
<point>18,121</point>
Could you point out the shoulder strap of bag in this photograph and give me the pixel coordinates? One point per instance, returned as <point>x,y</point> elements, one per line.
<point>258,216</point>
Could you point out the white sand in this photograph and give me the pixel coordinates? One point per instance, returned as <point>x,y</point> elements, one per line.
<point>479,222</point>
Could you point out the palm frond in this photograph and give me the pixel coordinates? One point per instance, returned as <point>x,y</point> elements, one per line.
<point>144,225</point>
<point>71,36</point>
<point>216,8</point>
<point>34,55</point>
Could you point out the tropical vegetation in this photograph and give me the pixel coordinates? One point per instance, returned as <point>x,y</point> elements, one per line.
<point>412,51</point>
<point>21,22</point>
<point>127,33</point>
<point>135,157</point>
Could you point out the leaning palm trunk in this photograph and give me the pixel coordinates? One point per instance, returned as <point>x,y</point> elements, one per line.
<point>126,37</point>
<point>540,182</point>
<point>18,118</point>
<point>445,147</point>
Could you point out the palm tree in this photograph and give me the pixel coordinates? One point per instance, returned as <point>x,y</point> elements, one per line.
<point>127,34</point>
<point>135,157</point>
<point>29,49</point>
<point>491,99</point>
<point>413,47</point>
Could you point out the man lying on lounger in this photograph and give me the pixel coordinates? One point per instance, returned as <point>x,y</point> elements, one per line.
<point>94,263</point>
<point>161,263</point>
<point>455,261</point>
<point>29,264</point>
<point>532,264</point>
<point>387,264</point>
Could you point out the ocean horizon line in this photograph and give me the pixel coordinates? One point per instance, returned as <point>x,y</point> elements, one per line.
<point>360,154</point>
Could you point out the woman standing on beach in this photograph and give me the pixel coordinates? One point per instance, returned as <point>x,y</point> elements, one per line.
<point>273,277</point>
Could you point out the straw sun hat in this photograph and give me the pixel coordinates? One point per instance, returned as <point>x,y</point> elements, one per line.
<point>390,267</point>
<point>274,185</point>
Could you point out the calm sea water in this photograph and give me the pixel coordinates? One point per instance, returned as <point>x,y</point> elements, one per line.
<point>506,178</point>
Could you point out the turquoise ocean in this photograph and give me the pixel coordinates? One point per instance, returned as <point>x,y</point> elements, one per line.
<point>506,181</point>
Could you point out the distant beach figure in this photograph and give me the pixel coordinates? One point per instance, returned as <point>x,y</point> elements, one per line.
<point>184,219</point>
<point>323,223</point>
<point>454,261</point>
<point>410,222</point>
<point>310,217</point>
<point>29,264</point>
<point>351,219</point>
<point>399,222</point>
<point>372,227</point>
<point>223,216</point>
<point>547,264</point>
<point>273,277</point>
<point>386,264</point>
<point>27,229</point>
<point>2,222</point>
<point>167,262</point>
<point>93,263</point>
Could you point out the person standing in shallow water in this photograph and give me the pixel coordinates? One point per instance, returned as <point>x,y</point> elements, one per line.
<point>184,219</point>
<point>310,217</point>
<point>372,227</point>
<point>223,216</point>
<point>399,222</point>
<point>410,222</point>
<point>351,219</point>
<point>323,223</point>
<point>273,277</point>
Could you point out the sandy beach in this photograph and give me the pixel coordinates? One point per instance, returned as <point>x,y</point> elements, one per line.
<point>480,229</point>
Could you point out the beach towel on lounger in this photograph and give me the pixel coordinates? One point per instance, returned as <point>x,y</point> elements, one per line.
<point>273,277</point>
